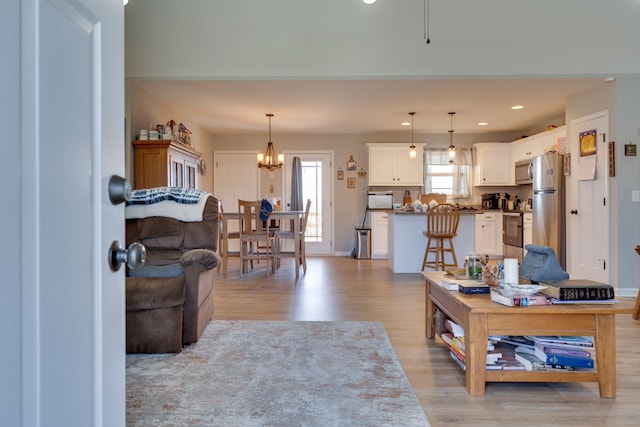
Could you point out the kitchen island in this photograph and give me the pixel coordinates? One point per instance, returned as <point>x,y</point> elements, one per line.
<point>407,241</point>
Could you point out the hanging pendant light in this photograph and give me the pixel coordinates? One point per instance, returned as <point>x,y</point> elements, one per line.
<point>452,148</point>
<point>269,160</point>
<point>412,147</point>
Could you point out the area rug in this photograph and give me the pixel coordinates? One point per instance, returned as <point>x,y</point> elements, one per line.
<point>275,373</point>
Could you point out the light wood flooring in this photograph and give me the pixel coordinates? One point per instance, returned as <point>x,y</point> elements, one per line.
<point>343,288</point>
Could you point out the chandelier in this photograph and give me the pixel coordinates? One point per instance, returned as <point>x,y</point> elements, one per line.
<point>269,160</point>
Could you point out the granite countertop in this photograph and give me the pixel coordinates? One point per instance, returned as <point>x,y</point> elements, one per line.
<point>462,212</point>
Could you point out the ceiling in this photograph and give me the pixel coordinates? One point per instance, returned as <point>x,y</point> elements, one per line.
<point>371,106</point>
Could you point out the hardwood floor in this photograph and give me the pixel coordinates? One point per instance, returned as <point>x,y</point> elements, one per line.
<point>343,288</point>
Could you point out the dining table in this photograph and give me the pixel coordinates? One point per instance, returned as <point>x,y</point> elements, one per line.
<point>286,219</point>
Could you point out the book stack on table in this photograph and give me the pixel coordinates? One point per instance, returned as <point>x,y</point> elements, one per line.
<point>466,286</point>
<point>578,291</point>
<point>555,352</point>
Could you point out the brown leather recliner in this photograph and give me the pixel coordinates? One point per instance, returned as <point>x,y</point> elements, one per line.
<point>169,301</point>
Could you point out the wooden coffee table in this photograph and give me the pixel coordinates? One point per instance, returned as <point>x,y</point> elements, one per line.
<point>479,316</point>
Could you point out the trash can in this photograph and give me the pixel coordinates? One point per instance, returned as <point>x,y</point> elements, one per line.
<point>363,243</point>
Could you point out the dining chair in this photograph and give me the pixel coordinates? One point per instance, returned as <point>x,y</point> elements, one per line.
<point>280,236</point>
<point>442,225</point>
<point>223,244</point>
<point>253,231</point>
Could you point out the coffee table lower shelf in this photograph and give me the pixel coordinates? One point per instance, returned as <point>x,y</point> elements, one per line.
<point>479,317</point>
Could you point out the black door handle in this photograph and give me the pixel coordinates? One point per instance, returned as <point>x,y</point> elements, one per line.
<point>574,212</point>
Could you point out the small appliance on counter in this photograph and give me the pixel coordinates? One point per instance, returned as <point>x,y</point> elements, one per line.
<point>380,200</point>
<point>491,201</point>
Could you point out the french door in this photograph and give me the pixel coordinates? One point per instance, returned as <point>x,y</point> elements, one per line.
<point>317,185</point>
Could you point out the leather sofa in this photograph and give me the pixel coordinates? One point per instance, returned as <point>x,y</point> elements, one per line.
<point>169,301</point>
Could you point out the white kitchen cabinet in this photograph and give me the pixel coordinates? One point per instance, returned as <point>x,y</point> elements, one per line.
<point>489,233</point>
<point>391,165</point>
<point>527,230</point>
<point>535,145</point>
<point>379,234</point>
<point>493,164</point>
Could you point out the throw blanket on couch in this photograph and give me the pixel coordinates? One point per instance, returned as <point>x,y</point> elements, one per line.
<point>184,204</point>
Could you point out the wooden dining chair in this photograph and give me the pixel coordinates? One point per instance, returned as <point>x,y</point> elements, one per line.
<point>280,236</point>
<point>442,225</point>
<point>223,244</point>
<point>253,231</point>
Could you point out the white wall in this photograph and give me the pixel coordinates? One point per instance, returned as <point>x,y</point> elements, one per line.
<point>144,108</point>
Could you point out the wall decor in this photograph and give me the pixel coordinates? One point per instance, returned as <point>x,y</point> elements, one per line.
<point>351,183</point>
<point>612,159</point>
<point>351,164</point>
<point>340,174</point>
<point>630,149</point>
<point>362,173</point>
<point>588,143</point>
<point>567,164</point>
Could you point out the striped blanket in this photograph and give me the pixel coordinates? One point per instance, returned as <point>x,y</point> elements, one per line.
<point>148,196</point>
<point>183,204</point>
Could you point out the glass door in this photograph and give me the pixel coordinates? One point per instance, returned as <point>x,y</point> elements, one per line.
<point>317,170</point>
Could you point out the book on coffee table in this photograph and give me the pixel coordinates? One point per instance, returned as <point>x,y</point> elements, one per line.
<point>577,289</point>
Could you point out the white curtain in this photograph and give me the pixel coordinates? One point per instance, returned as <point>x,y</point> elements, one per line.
<point>435,158</point>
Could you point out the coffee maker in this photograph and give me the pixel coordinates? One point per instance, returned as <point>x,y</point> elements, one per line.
<point>491,201</point>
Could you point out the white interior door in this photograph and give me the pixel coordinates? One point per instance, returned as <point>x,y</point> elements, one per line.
<point>71,105</point>
<point>317,185</point>
<point>235,177</point>
<point>588,225</point>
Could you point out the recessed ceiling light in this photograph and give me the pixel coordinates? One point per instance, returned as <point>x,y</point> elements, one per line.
<point>483,124</point>
<point>405,124</point>
<point>517,107</point>
<point>368,1</point>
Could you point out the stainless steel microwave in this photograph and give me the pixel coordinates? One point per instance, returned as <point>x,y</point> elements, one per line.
<point>524,172</point>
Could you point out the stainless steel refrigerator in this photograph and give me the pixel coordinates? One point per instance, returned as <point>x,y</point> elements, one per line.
<point>548,204</point>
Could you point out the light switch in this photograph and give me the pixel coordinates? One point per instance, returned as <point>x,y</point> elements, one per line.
<point>635,196</point>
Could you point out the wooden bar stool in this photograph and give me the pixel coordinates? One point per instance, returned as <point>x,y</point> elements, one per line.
<point>442,225</point>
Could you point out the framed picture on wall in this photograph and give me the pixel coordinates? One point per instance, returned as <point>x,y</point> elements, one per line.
<point>588,143</point>
<point>351,183</point>
<point>340,175</point>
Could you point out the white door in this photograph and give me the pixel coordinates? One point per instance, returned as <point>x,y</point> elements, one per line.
<point>587,204</point>
<point>70,357</point>
<point>235,177</point>
<point>317,185</point>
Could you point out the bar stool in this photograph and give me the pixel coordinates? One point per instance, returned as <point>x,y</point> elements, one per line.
<point>442,225</point>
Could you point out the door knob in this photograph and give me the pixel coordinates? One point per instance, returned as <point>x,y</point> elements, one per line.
<point>574,212</point>
<point>135,256</point>
<point>119,189</point>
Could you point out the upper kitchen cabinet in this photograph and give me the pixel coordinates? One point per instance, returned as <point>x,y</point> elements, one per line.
<point>161,163</point>
<point>535,145</point>
<point>494,165</point>
<point>391,165</point>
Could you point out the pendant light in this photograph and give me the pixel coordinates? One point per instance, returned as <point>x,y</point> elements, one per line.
<point>412,147</point>
<point>452,148</point>
<point>268,159</point>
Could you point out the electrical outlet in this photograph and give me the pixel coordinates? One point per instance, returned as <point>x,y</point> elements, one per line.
<point>635,196</point>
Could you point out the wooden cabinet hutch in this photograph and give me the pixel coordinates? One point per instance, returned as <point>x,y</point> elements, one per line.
<point>160,163</point>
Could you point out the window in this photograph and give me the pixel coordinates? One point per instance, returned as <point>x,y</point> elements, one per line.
<point>454,180</point>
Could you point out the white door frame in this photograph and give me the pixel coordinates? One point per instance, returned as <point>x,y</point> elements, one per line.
<point>286,189</point>
<point>587,258</point>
